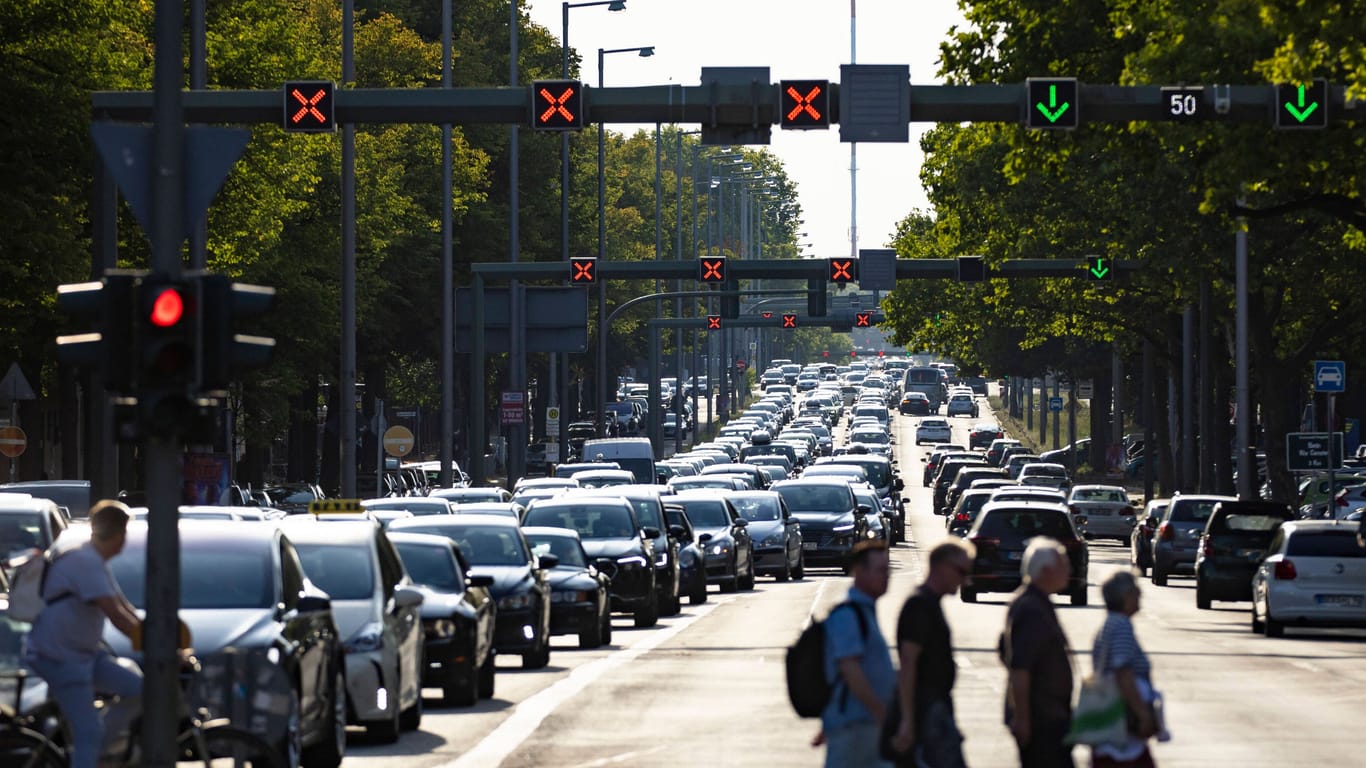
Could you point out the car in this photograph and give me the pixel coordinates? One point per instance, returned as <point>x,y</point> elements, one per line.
<point>1314,574</point>
<point>1109,513</point>
<point>71,495</point>
<point>28,523</point>
<point>771,460</point>
<point>777,536</point>
<point>933,429</point>
<point>879,521</point>
<point>471,495</point>
<point>831,519</point>
<point>1235,540</point>
<point>1044,474</point>
<point>1176,541</point>
<point>727,547</point>
<point>1017,461</point>
<point>948,472</point>
<point>648,502</point>
<point>962,404</point>
<point>759,479</point>
<point>604,478</point>
<point>571,469</point>
<point>1349,500</point>
<point>581,597</point>
<point>966,476</point>
<point>914,404</point>
<point>937,456</point>
<point>616,542</point>
<point>293,498</point>
<point>959,519</point>
<point>1141,538</point>
<point>692,567</point>
<point>983,435</point>
<point>378,613</point>
<point>458,618</point>
<point>1001,533</point>
<point>527,483</point>
<point>265,634</point>
<point>415,505</point>
<point>997,447</point>
<point>512,509</point>
<point>493,545</point>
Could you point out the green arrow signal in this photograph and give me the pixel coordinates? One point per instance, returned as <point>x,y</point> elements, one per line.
<point>1053,111</point>
<point>1301,112</point>
<point>1098,268</point>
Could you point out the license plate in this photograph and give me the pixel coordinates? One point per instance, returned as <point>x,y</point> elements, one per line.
<point>1096,512</point>
<point>1013,555</point>
<point>810,546</point>
<point>1346,601</point>
<point>1251,554</point>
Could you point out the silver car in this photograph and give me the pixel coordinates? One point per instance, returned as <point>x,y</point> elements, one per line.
<point>1177,540</point>
<point>1109,513</point>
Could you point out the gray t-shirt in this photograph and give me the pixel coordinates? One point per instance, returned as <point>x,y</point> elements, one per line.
<point>69,629</point>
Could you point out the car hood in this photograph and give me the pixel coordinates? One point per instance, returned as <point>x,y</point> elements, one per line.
<point>612,548</point>
<point>437,604</point>
<point>716,533</point>
<point>213,630</point>
<point>565,579</point>
<point>762,529</point>
<point>351,615</point>
<point>822,519</point>
<point>506,578</point>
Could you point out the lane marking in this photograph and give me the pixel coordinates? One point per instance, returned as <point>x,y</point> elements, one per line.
<point>621,758</point>
<point>811,614</point>
<point>510,734</point>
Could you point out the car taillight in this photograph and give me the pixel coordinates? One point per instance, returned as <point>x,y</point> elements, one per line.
<point>1285,570</point>
<point>1166,532</point>
<point>982,541</point>
<point>961,517</point>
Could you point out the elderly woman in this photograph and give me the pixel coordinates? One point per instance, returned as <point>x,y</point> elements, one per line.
<point>1117,652</point>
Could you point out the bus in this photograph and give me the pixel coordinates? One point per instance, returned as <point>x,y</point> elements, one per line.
<point>927,380</point>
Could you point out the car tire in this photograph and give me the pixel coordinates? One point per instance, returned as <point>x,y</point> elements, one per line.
<point>1257,626</point>
<point>1159,577</point>
<point>747,583</point>
<point>1079,595</point>
<point>699,594</point>
<point>386,731</point>
<point>1202,601</point>
<point>1271,627</point>
<point>607,626</point>
<point>786,573</point>
<point>461,688</point>
<point>968,595</point>
<point>540,657</point>
<point>488,672</point>
<point>328,752</point>
<point>649,615</point>
<point>591,637</point>
<point>410,719</point>
<point>800,571</point>
<point>291,745</point>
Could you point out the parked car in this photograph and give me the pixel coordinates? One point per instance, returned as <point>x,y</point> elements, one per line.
<point>1001,533</point>
<point>1141,538</point>
<point>1108,511</point>
<point>1177,539</point>
<point>1236,538</point>
<point>1314,574</point>
<point>581,597</point>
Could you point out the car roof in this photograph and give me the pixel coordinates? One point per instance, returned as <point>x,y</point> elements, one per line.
<point>303,528</point>
<point>225,531</point>
<point>587,496</point>
<point>546,530</point>
<point>1053,506</point>
<point>820,480</point>
<point>425,539</point>
<point>454,521</point>
<point>404,502</point>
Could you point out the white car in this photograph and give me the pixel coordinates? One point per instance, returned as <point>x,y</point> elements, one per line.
<point>962,405</point>
<point>933,430</point>
<point>1314,574</point>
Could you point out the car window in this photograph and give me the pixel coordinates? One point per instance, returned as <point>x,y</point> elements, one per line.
<point>344,573</point>
<point>1192,511</point>
<point>292,573</point>
<point>1250,523</point>
<point>22,531</point>
<point>1026,523</point>
<point>566,549</point>
<point>757,508</point>
<point>209,578</point>
<point>1100,494</point>
<point>590,521</point>
<point>390,567</point>
<point>1324,544</point>
<point>647,512</point>
<point>706,513</point>
<point>431,566</point>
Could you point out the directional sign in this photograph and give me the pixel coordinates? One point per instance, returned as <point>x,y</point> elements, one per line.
<point>843,270</point>
<point>711,270</point>
<point>863,319</point>
<point>398,441</point>
<point>804,104</point>
<point>1055,404</point>
<point>1052,103</point>
<point>1302,105</point>
<point>1312,451</point>
<point>1183,104</point>
<point>713,322</point>
<point>557,105</point>
<point>13,441</point>
<point>1099,268</point>
<point>583,270</point>
<point>789,321</point>
<point>1330,376</point>
<point>308,107</point>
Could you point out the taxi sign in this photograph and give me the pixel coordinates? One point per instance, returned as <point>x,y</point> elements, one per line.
<point>324,506</point>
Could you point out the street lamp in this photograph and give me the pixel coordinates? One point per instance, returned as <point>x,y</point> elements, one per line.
<point>644,51</point>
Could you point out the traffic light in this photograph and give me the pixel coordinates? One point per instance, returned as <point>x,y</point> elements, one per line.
<point>1302,105</point>
<point>1053,103</point>
<point>308,107</point>
<point>166,327</point>
<point>804,104</point>
<point>223,352</point>
<point>713,322</point>
<point>766,315</point>
<point>843,271</point>
<point>583,270</point>
<point>557,105</point>
<point>789,321</point>
<point>711,269</point>
<point>1100,268</point>
<point>863,319</point>
<point>107,304</point>
<point>971,269</point>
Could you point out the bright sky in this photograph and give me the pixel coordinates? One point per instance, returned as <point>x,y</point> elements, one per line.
<point>795,39</point>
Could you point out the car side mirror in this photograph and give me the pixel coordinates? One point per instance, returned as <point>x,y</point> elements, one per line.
<point>679,532</point>
<point>406,597</point>
<point>479,580</point>
<point>650,532</point>
<point>547,561</point>
<point>704,538</point>
<point>741,522</point>
<point>899,484</point>
<point>313,604</point>
<point>864,509</point>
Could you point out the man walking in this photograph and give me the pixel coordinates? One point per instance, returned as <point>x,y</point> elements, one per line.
<point>1035,651</point>
<point>858,665</point>
<point>926,735</point>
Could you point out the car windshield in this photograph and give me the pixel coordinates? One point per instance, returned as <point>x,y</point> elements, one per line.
<point>1044,470</point>
<point>431,566</point>
<point>21,531</point>
<point>1246,523</point>
<point>591,521</point>
<point>344,573</point>
<point>870,437</point>
<point>1341,543</point>
<point>815,498</point>
<point>706,513</point>
<point>210,578</point>
<point>1192,511</point>
<point>757,508</point>
<point>647,512</point>
<point>1026,523</point>
<point>566,549</point>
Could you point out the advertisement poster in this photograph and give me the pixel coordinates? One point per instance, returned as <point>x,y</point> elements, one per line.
<point>206,478</point>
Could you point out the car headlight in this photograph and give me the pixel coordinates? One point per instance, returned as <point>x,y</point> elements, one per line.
<point>776,540</point>
<point>718,549</point>
<point>632,560</point>
<point>662,559</point>
<point>441,628</point>
<point>845,526</point>
<point>514,602</point>
<point>369,637</point>
<point>569,597</point>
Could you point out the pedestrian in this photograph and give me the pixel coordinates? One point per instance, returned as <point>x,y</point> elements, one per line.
<point>1116,652</point>
<point>64,645</point>
<point>925,733</point>
<point>858,666</point>
<point>1035,651</point>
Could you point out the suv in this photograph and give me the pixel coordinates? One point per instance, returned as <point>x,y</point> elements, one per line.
<point>1178,535</point>
<point>1001,532</point>
<point>1235,541</point>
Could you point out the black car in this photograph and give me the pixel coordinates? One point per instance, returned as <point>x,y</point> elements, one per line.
<point>948,470</point>
<point>458,618</point>
<point>915,404</point>
<point>963,480</point>
<point>262,631</point>
<point>1141,537</point>
<point>831,519</point>
<point>1236,538</point>
<point>882,475</point>
<point>494,546</point>
<point>959,519</point>
<point>777,536</point>
<point>982,435</point>
<point>1001,533</point>
<point>650,513</point>
<point>727,549</point>
<point>581,597</point>
<point>616,543</point>
<point>692,566</point>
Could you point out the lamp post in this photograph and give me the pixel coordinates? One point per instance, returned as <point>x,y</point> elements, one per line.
<point>644,52</point>
<point>678,286</point>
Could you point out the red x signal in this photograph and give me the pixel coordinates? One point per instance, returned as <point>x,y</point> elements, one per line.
<point>863,319</point>
<point>583,270</point>
<point>713,322</point>
<point>843,270</point>
<point>557,105</point>
<point>711,270</point>
<point>789,321</point>
<point>308,107</point>
<point>805,103</point>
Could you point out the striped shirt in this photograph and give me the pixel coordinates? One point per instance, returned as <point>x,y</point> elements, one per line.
<point>1116,648</point>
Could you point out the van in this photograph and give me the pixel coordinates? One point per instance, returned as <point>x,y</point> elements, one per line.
<point>632,453</point>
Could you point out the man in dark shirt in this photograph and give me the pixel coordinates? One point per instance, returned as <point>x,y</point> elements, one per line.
<point>926,734</point>
<point>1035,651</point>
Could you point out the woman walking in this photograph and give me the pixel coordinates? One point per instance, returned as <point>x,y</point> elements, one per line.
<point>1117,652</point>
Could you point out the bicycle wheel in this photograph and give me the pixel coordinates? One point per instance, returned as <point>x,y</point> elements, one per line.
<point>25,748</point>
<point>225,746</point>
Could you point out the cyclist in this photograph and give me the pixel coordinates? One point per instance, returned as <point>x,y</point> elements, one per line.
<point>64,646</point>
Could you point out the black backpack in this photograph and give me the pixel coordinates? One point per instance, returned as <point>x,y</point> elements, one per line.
<point>807,687</point>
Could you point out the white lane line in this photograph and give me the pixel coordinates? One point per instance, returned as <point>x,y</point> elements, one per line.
<point>811,614</point>
<point>509,735</point>
<point>1307,666</point>
<point>621,758</point>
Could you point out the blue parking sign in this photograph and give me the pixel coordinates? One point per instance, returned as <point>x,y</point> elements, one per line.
<point>1330,376</point>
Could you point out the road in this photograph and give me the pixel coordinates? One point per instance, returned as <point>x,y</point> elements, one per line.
<point>707,686</point>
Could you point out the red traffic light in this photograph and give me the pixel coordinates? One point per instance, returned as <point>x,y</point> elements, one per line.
<point>711,270</point>
<point>308,107</point>
<point>843,271</point>
<point>826,353</point>
<point>853,353</point>
<point>583,270</point>
<point>804,104</point>
<point>167,308</point>
<point>880,353</point>
<point>789,321</point>
<point>557,105</point>
<point>863,319</point>
<point>713,322</point>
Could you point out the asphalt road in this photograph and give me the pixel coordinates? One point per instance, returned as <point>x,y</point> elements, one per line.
<point>706,687</point>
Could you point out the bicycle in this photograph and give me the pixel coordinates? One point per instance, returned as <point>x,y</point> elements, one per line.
<point>27,740</point>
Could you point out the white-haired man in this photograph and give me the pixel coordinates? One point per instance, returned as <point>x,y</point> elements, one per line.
<point>1035,651</point>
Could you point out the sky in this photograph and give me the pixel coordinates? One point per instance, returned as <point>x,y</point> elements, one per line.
<point>796,40</point>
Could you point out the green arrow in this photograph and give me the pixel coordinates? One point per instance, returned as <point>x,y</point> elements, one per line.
<point>1053,111</point>
<point>1301,113</point>
<point>1100,270</point>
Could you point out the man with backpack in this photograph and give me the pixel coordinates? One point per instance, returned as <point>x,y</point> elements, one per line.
<point>64,646</point>
<point>858,665</point>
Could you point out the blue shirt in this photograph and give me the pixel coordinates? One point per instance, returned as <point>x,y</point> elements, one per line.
<point>845,639</point>
<point>70,629</point>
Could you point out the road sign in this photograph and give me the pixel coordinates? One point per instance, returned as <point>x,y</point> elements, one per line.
<point>804,104</point>
<point>1330,376</point>
<point>713,322</point>
<point>766,315</point>
<point>1055,404</point>
<point>552,451</point>
<point>863,319</point>
<point>971,269</point>
<point>1302,105</point>
<point>13,441</point>
<point>398,441</point>
<point>876,269</point>
<point>843,270</point>
<point>308,107</point>
<point>741,365</point>
<point>514,408</point>
<point>583,270</point>
<point>15,386</point>
<point>711,270</point>
<point>1183,104</point>
<point>552,421</point>
<point>557,105</point>
<point>1310,451</point>
<point>1086,389</point>
<point>1052,103</point>
<point>1099,268</point>
<point>789,321</point>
